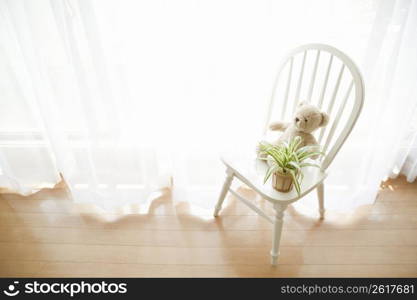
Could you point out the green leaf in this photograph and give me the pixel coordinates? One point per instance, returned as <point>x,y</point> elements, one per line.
<point>295,165</point>
<point>269,172</point>
<point>309,165</point>
<point>295,182</point>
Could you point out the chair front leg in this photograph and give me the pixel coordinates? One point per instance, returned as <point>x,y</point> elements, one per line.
<point>320,196</point>
<point>223,193</point>
<point>276,233</point>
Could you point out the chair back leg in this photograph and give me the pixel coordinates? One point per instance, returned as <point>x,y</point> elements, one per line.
<point>320,196</point>
<point>223,193</point>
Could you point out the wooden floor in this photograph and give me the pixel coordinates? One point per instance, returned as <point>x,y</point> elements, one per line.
<point>47,235</point>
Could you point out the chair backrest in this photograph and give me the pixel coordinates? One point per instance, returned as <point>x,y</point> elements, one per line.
<point>323,76</point>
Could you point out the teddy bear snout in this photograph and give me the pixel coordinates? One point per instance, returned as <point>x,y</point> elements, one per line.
<point>300,122</point>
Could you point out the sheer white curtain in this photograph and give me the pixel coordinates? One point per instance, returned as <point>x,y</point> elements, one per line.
<point>406,162</point>
<point>123,97</point>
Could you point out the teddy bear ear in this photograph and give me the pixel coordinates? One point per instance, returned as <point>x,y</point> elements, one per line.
<point>324,119</point>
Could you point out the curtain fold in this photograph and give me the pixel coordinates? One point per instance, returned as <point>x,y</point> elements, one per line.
<point>125,97</point>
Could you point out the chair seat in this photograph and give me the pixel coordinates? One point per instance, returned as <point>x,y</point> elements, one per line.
<point>251,171</point>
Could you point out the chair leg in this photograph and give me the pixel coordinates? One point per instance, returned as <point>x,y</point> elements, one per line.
<point>223,193</point>
<point>276,235</point>
<point>320,196</point>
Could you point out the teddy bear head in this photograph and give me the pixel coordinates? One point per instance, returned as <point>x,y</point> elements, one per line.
<point>308,118</point>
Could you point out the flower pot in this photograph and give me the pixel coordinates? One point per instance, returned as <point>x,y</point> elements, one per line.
<point>282,182</point>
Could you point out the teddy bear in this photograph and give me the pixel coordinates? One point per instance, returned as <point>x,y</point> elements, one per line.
<point>306,120</point>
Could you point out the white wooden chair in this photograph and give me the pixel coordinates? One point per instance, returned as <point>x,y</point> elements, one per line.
<point>318,74</point>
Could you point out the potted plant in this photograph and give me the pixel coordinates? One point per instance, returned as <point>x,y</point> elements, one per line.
<point>286,161</point>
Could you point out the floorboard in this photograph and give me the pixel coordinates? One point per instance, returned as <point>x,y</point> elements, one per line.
<point>47,235</point>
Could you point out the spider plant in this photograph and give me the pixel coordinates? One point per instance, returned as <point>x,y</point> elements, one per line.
<point>288,158</point>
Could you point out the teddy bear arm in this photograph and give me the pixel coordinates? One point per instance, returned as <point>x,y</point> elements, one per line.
<point>279,126</point>
<point>310,140</point>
